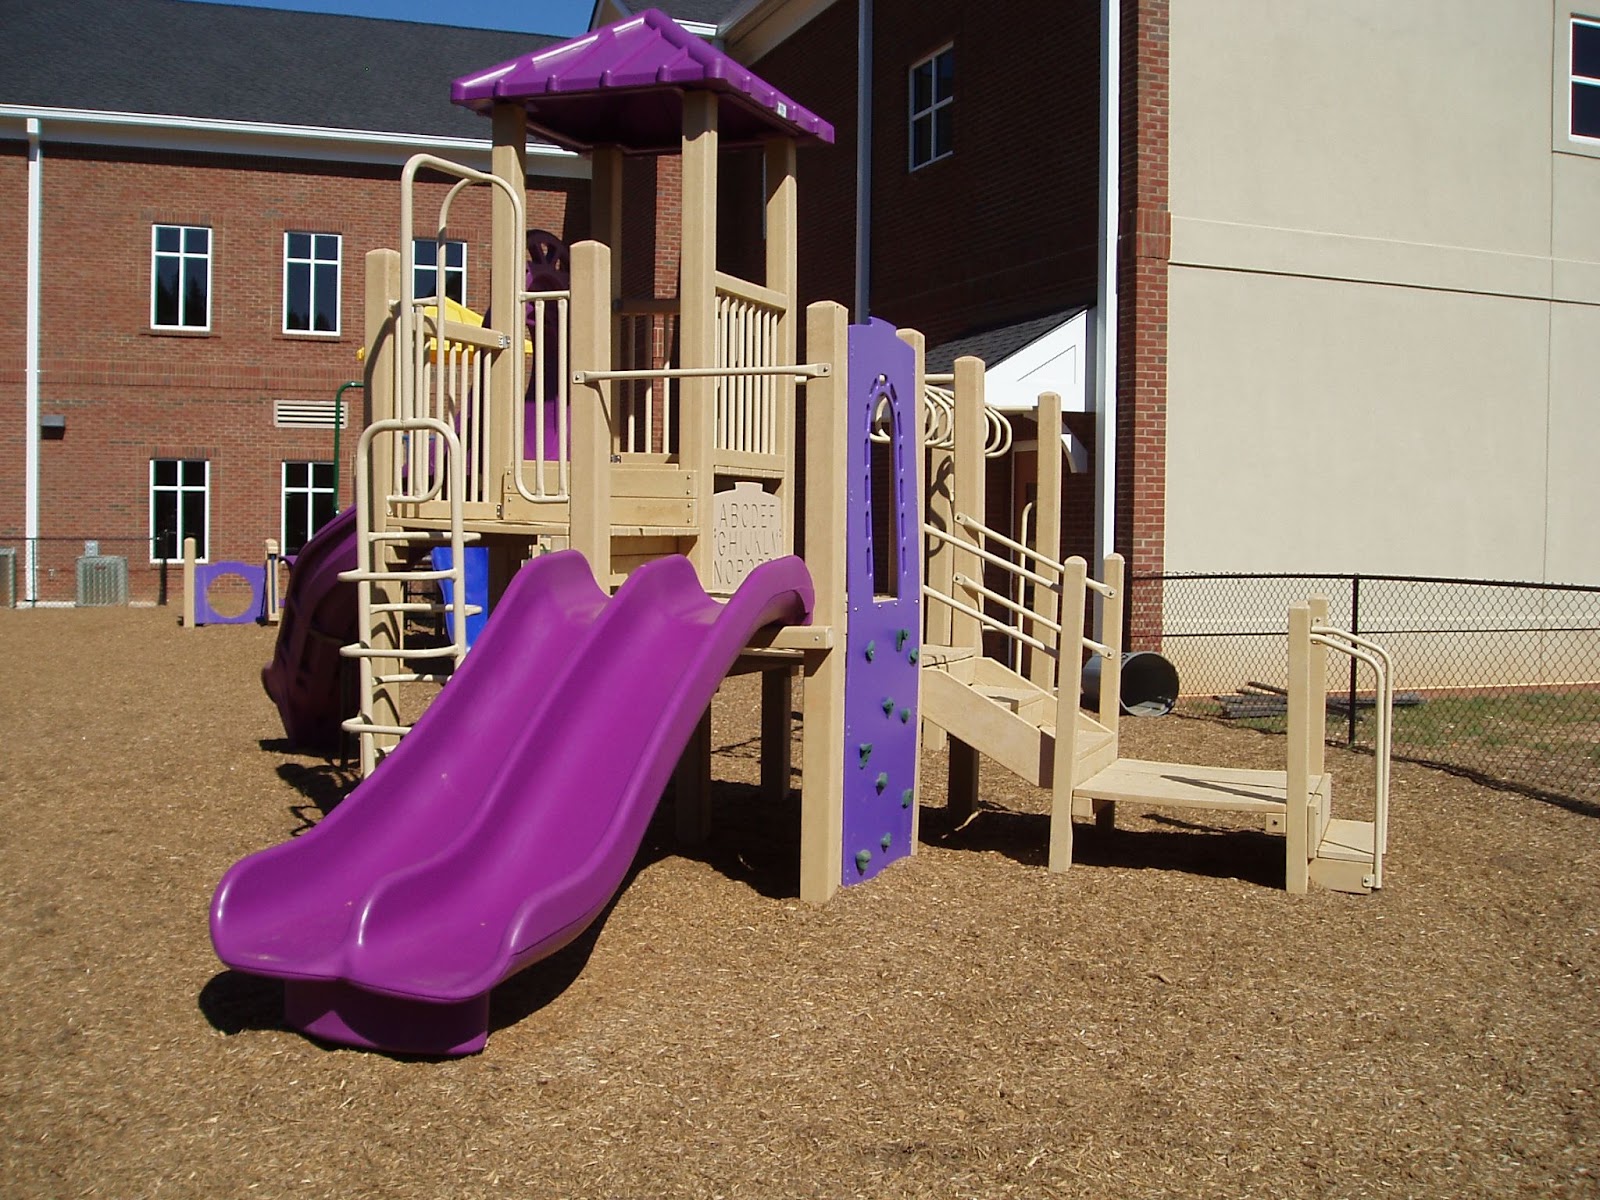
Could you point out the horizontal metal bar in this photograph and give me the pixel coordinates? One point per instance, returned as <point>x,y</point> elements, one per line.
<point>967,522</point>
<point>1021,610</point>
<point>990,556</point>
<point>1099,648</point>
<point>358,725</point>
<point>396,576</point>
<point>354,651</point>
<point>984,618</point>
<point>411,678</point>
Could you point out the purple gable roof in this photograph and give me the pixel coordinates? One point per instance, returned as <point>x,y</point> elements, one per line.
<point>623,85</point>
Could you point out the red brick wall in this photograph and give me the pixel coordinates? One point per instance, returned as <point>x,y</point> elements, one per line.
<point>1143,251</point>
<point>130,394</point>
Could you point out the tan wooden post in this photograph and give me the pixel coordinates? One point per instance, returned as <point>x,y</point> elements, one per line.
<point>605,227</point>
<point>968,497</point>
<point>590,427</point>
<point>697,318</point>
<point>273,562</point>
<point>508,161</point>
<point>783,276</point>
<point>383,294</point>
<point>1047,527</point>
<point>1069,683</point>
<point>188,582</point>
<point>1111,638</point>
<point>1316,755</point>
<point>777,750</point>
<point>1297,850</point>
<point>827,511</point>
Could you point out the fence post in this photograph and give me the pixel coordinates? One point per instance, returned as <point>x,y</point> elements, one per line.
<point>1355,628</point>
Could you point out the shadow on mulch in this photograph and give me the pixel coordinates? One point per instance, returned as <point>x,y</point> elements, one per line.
<point>325,784</point>
<point>1250,856</point>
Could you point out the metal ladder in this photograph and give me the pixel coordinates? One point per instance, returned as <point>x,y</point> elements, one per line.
<point>378,564</point>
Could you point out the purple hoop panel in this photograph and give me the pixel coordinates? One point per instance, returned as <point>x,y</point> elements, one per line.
<point>255,578</point>
<point>884,632</point>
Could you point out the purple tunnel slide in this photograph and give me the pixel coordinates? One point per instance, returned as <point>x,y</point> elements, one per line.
<point>319,616</point>
<point>503,824</point>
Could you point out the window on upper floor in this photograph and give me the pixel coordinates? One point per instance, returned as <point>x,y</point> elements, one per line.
<point>180,277</point>
<point>308,502</point>
<point>425,272</point>
<point>932,94</point>
<point>1584,110</point>
<point>311,282</point>
<point>180,507</point>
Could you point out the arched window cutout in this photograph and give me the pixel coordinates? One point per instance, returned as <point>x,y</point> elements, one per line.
<point>884,490</point>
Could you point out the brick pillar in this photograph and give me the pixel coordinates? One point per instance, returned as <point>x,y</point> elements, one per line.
<point>1144,246</point>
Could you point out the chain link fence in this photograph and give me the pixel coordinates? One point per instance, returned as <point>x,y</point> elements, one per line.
<point>64,571</point>
<point>1499,681</point>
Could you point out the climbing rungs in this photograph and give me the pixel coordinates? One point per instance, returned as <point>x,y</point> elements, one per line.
<point>412,677</point>
<point>360,725</point>
<point>418,535</point>
<point>394,576</point>
<point>397,652</point>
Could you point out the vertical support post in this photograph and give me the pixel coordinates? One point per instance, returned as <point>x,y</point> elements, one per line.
<point>916,425</point>
<point>508,161</point>
<point>777,751</point>
<point>827,510</point>
<point>1069,684</point>
<point>383,294</point>
<point>783,276</point>
<point>969,490</point>
<point>1316,751</point>
<point>590,429</point>
<point>1297,777</point>
<point>273,564</point>
<point>692,785</point>
<point>697,318</point>
<point>188,582</point>
<point>1111,637</point>
<point>1047,527</point>
<point>1355,628</point>
<point>605,227</point>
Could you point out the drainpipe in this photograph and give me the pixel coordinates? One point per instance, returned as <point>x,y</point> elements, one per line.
<point>1105,330</point>
<point>30,408</point>
<point>863,157</point>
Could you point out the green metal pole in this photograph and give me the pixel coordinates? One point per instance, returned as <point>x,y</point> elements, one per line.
<point>338,424</point>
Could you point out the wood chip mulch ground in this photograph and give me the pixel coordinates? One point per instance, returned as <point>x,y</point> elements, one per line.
<point>1161,1021</point>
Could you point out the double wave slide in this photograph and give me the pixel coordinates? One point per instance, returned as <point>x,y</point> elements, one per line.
<point>319,616</point>
<point>502,825</point>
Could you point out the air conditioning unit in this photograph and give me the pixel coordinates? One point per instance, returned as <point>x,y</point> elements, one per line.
<point>8,577</point>
<point>102,580</point>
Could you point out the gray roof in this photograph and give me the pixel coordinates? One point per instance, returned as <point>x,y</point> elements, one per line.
<point>996,345</point>
<point>174,58</point>
<point>707,12</point>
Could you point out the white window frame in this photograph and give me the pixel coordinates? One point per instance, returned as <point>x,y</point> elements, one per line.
<point>185,257</point>
<point>934,112</point>
<point>178,489</point>
<point>1574,80</point>
<point>418,268</point>
<point>314,264</point>
<point>309,490</point>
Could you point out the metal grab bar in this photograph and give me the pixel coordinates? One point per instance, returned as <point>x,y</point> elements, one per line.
<point>1382,664</point>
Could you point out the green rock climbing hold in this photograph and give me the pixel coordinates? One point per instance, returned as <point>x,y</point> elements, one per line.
<point>885,840</point>
<point>905,715</point>
<point>866,752</point>
<point>872,650</point>
<point>905,798</point>
<point>914,655</point>
<point>863,857</point>
<point>888,705</point>
<point>900,638</point>
<point>882,781</point>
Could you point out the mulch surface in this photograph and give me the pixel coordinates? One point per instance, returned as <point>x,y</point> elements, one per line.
<point>1163,1020</point>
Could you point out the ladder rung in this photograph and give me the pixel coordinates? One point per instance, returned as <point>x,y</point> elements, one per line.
<point>357,651</point>
<point>362,725</point>
<point>394,576</point>
<point>418,535</point>
<point>412,678</point>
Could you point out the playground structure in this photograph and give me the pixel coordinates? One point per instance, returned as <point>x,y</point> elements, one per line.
<point>500,825</point>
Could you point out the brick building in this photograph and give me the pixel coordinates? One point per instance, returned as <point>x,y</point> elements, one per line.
<point>195,188</point>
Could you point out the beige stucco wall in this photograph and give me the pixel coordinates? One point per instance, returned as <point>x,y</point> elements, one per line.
<point>1384,323</point>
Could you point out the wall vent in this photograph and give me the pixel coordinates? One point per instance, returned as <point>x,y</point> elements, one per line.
<point>306,414</point>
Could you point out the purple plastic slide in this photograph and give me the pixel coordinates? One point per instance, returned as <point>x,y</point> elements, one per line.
<point>319,616</point>
<point>503,824</point>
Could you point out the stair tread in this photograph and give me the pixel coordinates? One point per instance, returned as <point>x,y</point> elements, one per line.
<point>1185,785</point>
<point>1348,841</point>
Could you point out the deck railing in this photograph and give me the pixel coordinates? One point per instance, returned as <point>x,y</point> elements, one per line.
<point>746,412</point>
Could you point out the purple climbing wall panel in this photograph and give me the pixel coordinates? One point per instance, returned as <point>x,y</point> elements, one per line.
<point>883,582</point>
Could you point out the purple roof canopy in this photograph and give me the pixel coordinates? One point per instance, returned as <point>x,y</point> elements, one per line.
<point>623,84</point>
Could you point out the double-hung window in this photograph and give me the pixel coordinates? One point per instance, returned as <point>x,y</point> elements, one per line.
<point>308,502</point>
<point>1583,119</point>
<point>180,506</point>
<point>932,94</point>
<point>426,268</point>
<point>311,282</point>
<point>180,277</point>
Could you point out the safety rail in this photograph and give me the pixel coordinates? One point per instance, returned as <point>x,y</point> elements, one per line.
<point>539,387</point>
<point>374,568</point>
<point>646,331</point>
<point>1381,661</point>
<point>748,317</point>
